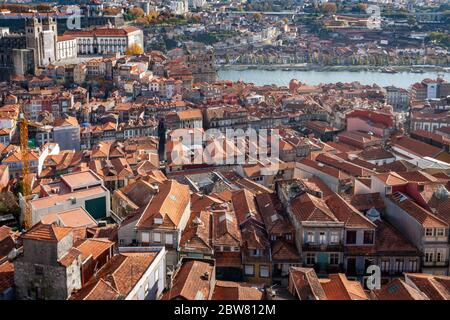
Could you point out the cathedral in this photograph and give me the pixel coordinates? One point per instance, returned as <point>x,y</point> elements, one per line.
<point>42,37</point>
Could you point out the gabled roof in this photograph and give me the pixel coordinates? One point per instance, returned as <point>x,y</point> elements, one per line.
<point>245,206</point>
<point>304,283</point>
<point>192,281</point>
<point>254,237</point>
<point>307,207</point>
<point>391,178</point>
<point>367,201</point>
<point>338,287</point>
<point>46,232</point>
<point>388,240</point>
<point>94,247</point>
<point>398,289</point>
<point>416,147</point>
<point>120,274</point>
<point>197,233</point>
<point>422,216</point>
<point>434,287</point>
<point>269,206</point>
<point>230,290</point>
<point>348,214</point>
<point>226,229</point>
<point>169,204</point>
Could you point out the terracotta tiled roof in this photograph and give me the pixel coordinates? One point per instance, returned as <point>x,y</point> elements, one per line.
<point>6,276</point>
<point>197,233</point>
<point>69,257</point>
<point>434,287</point>
<point>391,178</point>
<point>367,201</point>
<point>348,214</point>
<point>245,206</point>
<point>102,32</point>
<point>169,204</point>
<point>270,208</point>
<point>307,207</point>
<point>398,289</point>
<point>254,237</point>
<point>331,171</point>
<point>303,283</point>
<point>120,274</point>
<point>72,218</point>
<point>422,216</point>
<point>94,247</point>
<point>416,147</point>
<point>338,287</point>
<point>340,164</point>
<point>284,251</point>
<point>46,232</point>
<point>388,240</point>
<point>397,166</point>
<point>201,202</point>
<point>192,282</point>
<point>230,290</point>
<point>226,229</point>
<point>100,290</point>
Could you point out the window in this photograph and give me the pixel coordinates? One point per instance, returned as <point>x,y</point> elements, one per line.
<point>145,237</point>
<point>368,237</point>
<point>264,271</point>
<point>322,238</point>
<point>288,236</point>
<point>39,270</point>
<point>334,237</point>
<point>440,255</point>
<point>429,256</point>
<point>428,232</point>
<point>255,252</point>
<point>169,238</point>
<point>156,237</point>
<point>249,270</point>
<point>398,265</point>
<point>440,232</point>
<point>351,237</point>
<point>310,258</point>
<point>310,237</point>
<point>388,190</point>
<point>273,237</point>
<point>334,258</point>
<point>412,265</point>
<point>385,265</point>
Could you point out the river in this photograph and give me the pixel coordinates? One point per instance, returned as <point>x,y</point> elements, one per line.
<point>282,77</point>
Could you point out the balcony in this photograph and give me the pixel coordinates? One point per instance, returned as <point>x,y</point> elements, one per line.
<point>322,247</point>
<point>435,264</point>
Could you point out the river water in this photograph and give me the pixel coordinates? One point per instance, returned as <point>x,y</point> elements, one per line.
<point>282,77</point>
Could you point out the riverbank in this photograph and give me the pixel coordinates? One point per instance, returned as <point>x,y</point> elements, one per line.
<point>318,68</point>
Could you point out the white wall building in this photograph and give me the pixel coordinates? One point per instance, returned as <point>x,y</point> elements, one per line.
<point>107,40</point>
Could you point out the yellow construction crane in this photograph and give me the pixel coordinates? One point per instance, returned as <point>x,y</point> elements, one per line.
<point>26,181</point>
<point>26,187</point>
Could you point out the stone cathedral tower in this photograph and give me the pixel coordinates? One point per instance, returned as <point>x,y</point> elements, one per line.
<point>41,36</point>
<point>33,30</point>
